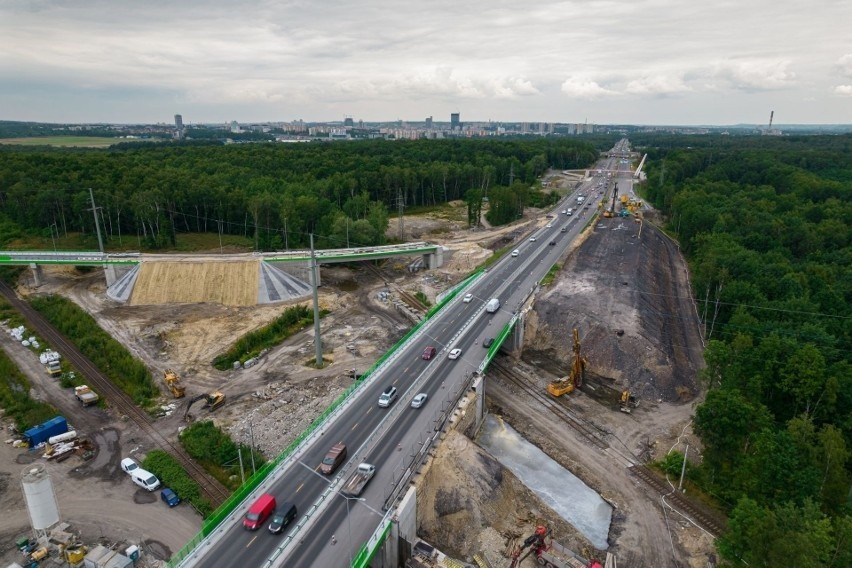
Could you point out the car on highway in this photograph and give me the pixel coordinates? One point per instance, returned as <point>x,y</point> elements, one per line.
<point>516,252</point>
<point>428,353</point>
<point>387,397</point>
<point>468,298</point>
<point>419,400</point>
<point>129,465</point>
<point>563,212</point>
<point>532,239</point>
<point>549,225</point>
<point>488,342</point>
<point>563,230</point>
<point>283,518</point>
<point>552,243</point>
<point>259,511</point>
<point>455,353</point>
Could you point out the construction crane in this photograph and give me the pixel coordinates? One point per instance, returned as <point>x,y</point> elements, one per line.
<point>575,378</point>
<point>172,381</point>
<point>212,401</point>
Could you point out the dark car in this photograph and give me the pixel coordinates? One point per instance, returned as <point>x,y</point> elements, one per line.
<point>429,352</point>
<point>552,243</point>
<point>169,497</point>
<point>282,519</point>
<point>489,341</point>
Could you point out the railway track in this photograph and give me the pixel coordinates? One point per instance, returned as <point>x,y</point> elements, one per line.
<point>593,435</point>
<point>709,520</point>
<point>409,299</point>
<point>214,491</point>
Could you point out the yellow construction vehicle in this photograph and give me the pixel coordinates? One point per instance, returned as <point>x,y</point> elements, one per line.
<point>575,378</point>
<point>172,381</point>
<point>212,401</point>
<point>628,402</point>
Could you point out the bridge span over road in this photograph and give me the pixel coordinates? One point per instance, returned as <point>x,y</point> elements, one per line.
<point>332,529</point>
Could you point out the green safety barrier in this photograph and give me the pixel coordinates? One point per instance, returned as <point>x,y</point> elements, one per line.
<point>365,555</point>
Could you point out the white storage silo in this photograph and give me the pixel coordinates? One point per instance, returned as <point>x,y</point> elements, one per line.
<point>40,498</point>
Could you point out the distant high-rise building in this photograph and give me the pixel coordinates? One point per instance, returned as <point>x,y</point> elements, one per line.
<point>454,121</point>
<point>235,127</point>
<point>348,121</point>
<point>525,127</point>
<point>541,127</point>
<point>429,122</point>
<point>178,126</point>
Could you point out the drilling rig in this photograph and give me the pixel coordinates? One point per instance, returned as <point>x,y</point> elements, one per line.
<point>575,378</point>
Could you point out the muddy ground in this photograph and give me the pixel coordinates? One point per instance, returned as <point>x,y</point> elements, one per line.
<point>283,393</point>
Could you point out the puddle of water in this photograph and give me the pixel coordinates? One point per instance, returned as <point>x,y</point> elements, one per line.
<point>565,493</point>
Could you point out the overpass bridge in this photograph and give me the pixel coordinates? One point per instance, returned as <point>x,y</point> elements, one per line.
<point>282,275</point>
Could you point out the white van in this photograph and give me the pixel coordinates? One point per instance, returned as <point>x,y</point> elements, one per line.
<point>144,479</point>
<point>492,306</point>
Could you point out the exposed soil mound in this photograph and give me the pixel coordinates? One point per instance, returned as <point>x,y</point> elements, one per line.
<point>228,283</point>
<point>629,296</point>
<point>468,502</point>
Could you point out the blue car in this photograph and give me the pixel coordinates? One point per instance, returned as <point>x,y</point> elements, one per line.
<point>169,497</point>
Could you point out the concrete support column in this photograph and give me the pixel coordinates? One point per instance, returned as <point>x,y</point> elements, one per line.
<point>37,276</point>
<point>110,273</point>
<point>517,336</point>
<point>478,387</point>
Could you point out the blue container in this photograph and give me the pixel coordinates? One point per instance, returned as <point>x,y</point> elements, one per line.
<point>53,427</point>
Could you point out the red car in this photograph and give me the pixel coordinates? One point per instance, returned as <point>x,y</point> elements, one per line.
<point>429,352</point>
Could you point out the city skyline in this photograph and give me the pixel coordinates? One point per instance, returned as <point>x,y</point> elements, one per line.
<point>614,62</point>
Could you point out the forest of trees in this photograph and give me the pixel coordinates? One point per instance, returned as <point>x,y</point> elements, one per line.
<point>276,194</point>
<point>765,223</point>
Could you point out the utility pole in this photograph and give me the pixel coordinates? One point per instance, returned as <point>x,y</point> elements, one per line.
<point>97,225</point>
<point>683,468</point>
<point>399,208</point>
<point>315,286</point>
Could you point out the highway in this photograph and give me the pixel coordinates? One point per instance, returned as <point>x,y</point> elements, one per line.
<point>331,536</point>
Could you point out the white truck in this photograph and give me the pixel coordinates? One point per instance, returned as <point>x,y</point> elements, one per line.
<point>85,395</point>
<point>492,306</point>
<point>359,480</point>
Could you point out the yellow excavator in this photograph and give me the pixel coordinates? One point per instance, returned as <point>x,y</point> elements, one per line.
<point>172,381</point>
<point>575,378</point>
<point>628,402</point>
<point>212,401</point>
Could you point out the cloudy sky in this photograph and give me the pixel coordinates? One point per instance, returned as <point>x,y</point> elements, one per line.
<point>605,61</point>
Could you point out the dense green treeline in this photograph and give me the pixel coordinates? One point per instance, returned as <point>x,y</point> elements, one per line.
<point>276,194</point>
<point>765,224</point>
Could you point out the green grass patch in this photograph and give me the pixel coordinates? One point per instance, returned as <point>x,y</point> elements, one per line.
<point>422,297</point>
<point>172,475</point>
<point>65,141</point>
<point>292,321</point>
<point>126,372</point>
<point>15,397</point>
<point>551,275</point>
<point>219,454</point>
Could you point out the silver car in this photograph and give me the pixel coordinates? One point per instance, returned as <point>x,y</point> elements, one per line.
<point>419,400</point>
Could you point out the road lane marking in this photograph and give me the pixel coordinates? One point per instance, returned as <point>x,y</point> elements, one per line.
<point>299,488</point>
<point>354,426</point>
<point>251,541</point>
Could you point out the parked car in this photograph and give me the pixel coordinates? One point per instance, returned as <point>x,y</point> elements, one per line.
<point>429,352</point>
<point>129,465</point>
<point>145,479</point>
<point>419,400</point>
<point>283,518</point>
<point>455,353</point>
<point>387,397</point>
<point>169,497</point>
<point>468,298</point>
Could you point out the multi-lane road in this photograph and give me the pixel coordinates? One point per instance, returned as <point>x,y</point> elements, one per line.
<point>387,437</point>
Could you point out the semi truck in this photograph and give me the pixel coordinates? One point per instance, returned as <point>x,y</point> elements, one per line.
<point>38,434</point>
<point>359,480</point>
<point>85,395</point>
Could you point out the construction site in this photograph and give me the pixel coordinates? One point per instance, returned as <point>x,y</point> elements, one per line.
<point>606,382</point>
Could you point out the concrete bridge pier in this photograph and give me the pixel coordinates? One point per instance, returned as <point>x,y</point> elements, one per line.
<point>514,343</point>
<point>111,275</point>
<point>435,259</point>
<point>37,275</point>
